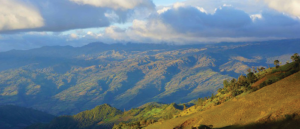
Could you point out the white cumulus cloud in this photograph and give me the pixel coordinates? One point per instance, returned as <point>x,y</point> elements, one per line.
<point>291,7</point>
<point>15,15</point>
<point>162,10</point>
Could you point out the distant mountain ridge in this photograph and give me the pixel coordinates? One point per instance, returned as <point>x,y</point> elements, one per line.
<point>68,80</point>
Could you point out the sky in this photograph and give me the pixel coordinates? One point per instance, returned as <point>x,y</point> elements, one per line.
<point>27,24</point>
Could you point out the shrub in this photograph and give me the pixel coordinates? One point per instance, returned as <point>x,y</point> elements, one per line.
<point>205,127</point>
<point>142,122</point>
<point>263,84</point>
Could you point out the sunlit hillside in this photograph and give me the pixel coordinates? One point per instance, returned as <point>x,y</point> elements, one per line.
<point>273,106</point>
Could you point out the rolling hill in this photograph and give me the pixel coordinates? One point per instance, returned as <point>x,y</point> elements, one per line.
<point>105,117</point>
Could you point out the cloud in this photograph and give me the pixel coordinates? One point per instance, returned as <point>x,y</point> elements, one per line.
<point>30,40</point>
<point>117,4</point>
<point>291,7</point>
<point>191,19</point>
<point>249,6</point>
<point>256,17</point>
<point>188,24</point>
<point>162,10</point>
<point>73,36</point>
<point>178,5</point>
<point>15,15</point>
<point>62,15</point>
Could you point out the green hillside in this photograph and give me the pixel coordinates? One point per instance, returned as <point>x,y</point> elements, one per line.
<point>14,117</point>
<point>105,116</point>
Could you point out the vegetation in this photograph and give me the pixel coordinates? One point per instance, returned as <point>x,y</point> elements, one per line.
<point>276,63</point>
<point>249,83</point>
<point>105,116</point>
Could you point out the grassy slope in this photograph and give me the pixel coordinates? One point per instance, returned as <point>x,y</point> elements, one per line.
<point>270,103</point>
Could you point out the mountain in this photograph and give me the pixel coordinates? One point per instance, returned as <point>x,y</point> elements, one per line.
<point>14,117</point>
<point>68,80</point>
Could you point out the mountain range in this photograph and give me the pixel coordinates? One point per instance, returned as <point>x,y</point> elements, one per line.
<point>65,80</point>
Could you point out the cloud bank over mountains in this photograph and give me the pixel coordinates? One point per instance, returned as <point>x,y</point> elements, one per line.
<point>189,24</point>
<point>191,21</point>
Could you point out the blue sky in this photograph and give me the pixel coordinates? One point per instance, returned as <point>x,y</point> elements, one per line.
<point>31,23</point>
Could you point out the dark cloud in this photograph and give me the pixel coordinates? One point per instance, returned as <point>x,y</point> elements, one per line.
<point>60,15</point>
<point>230,22</point>
<point>191,19</point>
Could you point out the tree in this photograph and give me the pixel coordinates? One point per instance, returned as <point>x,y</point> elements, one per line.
<point>251,78</point>
<point>242,81</point>
<point>258,69</point>
<point>295,57</point>
<point>212,96</point>
<point>200,101</point>
<point>254,70</point>
<point>219,90</point>
<point>249,70</point>
<point>225,83</point>
<point>184,107</point>
<point>276,63</point>
<point>233,81</point>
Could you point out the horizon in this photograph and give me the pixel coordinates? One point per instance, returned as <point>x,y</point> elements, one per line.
<point>168,44</point>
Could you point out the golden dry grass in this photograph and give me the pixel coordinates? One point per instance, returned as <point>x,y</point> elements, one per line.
<point>269,103</point>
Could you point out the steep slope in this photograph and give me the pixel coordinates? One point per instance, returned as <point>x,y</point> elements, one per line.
<point>14,117</point>
<point>274,106</point>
